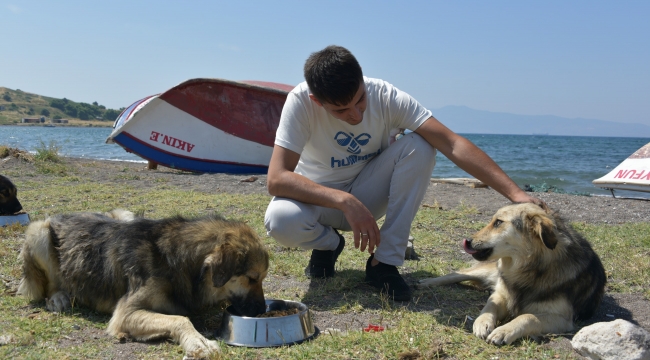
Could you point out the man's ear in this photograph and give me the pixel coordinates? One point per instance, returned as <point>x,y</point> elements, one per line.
<point>314,99</point>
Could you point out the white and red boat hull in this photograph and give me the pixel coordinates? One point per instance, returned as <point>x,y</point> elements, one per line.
<point>632,174</point>
<point>205,125</point>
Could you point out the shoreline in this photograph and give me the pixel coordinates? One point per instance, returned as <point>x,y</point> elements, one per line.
<point>486,201</point>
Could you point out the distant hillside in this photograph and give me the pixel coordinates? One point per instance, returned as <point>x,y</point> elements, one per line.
<point>17,104</point>
<point>462,119</point>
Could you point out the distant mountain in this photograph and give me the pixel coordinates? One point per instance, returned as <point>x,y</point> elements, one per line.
<point>18,104</point>
<point>462,119</point>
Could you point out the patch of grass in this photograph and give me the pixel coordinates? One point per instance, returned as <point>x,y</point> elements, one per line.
<point>48,161</point>
<point>625,252</point>
<point>434,325</point>
<point>48,152</point>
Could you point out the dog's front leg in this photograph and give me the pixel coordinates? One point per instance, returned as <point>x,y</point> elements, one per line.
<point>493,311</point>
<point>146,325</point>
<point>530,325</point>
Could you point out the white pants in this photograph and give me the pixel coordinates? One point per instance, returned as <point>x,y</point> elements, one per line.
<point>391,184</point>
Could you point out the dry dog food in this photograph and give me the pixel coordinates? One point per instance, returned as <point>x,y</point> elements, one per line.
<point>278,313</point>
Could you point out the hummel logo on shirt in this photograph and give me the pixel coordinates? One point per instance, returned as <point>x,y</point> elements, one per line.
<point>354,145</point>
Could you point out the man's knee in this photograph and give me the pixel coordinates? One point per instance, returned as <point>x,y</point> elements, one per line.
<point>422,147</point>
<point>282,221</point>
<point>420,152</point>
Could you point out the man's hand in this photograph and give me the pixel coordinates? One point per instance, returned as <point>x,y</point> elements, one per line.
<point>363,224</point>
<point>523,197</point>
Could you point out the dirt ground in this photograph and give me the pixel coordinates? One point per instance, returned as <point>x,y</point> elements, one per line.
<point>632,307</point>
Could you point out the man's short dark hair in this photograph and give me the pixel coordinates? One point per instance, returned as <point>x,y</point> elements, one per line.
<point>333,75</point>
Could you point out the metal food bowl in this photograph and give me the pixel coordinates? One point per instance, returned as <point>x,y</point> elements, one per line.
<point>268,331</point>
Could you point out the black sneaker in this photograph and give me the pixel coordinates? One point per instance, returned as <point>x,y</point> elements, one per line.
<point>321,262</point>
<point>388,280</point>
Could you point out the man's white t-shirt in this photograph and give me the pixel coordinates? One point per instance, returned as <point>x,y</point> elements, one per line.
<point>333,151</point>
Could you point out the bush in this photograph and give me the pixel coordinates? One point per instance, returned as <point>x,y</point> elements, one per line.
<point>70,109</point>
<point>48,152</point>
<point>111,114</point>
<point>58,104</point>
<point>6,97</point>
<point>45,112</point>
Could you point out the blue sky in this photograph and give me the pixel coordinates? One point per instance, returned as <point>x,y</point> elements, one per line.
<point>588,59</point>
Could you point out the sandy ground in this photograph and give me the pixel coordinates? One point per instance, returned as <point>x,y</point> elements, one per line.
<point>574,208</point>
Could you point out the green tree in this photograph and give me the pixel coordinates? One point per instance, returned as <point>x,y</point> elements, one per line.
<point>58,104</point>
<point>83,114</point>
<point>111,114</point>
<point>6,97</point>
<point>71,109</point>
<point>45,112</point>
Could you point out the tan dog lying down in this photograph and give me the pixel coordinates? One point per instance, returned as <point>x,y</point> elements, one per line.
<point>149,274</point>
<point>544,275</point>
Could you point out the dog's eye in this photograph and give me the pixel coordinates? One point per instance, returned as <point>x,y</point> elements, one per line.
<point>497,223</point>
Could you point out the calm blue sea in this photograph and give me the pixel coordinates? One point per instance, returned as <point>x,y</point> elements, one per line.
<point>568,162</point>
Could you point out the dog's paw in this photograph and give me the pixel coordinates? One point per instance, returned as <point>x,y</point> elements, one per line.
<point>58,302</point>
<point>502,335</point>
<point>200,348</point>
<point>483,325</point>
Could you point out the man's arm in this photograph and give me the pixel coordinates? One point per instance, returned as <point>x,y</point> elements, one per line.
<point>473,160</point>
<point>283,182</point>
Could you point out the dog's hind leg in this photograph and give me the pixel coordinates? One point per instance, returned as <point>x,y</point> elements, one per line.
<point>451,278</point>
<point>41,274</point>
<point>143,324</point>
<point>482,274</point>
<point>58,302</point>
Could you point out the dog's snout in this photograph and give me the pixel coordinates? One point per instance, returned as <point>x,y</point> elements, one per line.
<point>249,307</point>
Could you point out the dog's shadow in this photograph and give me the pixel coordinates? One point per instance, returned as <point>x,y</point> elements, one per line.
<point>609,310</point>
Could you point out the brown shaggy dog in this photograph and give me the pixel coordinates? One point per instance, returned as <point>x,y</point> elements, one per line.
<point>9,203</point>
<point>543,274</point>
<point>148,273</point>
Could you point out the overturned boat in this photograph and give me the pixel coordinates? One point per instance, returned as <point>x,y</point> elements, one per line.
<point>205,125</point>
<point>632,174</point>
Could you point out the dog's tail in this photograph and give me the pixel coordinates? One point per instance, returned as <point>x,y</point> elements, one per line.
<point>41,275</point>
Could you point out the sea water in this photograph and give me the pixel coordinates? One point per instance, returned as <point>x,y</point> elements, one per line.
<point>569,163</point>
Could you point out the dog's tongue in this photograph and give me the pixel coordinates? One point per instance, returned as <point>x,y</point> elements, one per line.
<point>468,249</point>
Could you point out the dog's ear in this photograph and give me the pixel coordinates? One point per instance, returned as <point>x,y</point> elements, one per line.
<point>223,263</point>
<point>543,227</point>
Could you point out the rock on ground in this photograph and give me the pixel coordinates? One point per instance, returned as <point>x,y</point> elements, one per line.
<point>618,339</point>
